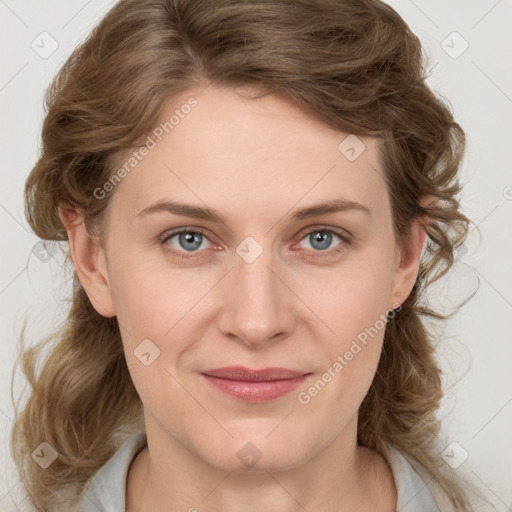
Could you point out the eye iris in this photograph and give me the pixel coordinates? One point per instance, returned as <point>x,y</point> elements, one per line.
<point>324,237</point>
<point>190,237</point>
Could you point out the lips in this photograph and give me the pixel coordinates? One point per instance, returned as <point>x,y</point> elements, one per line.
<point>254,385</point>
<point>246,374</point>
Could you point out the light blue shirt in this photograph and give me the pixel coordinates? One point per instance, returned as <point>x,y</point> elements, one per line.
<point>107,489</point>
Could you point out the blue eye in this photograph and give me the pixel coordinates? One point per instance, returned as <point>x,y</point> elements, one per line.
<point>321,239</point>
<point>190,241</point>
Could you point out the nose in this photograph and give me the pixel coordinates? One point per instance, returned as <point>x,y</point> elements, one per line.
<point>258,306</point>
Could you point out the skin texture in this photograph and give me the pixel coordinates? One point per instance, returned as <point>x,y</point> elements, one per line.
<point>255,161</point>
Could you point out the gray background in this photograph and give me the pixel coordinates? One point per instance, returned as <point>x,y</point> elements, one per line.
<point>476,352</point>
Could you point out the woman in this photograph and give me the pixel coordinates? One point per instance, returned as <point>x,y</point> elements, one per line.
<point>247,189</point>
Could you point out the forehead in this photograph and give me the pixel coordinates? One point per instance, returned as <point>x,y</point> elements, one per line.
<point>240,155</point>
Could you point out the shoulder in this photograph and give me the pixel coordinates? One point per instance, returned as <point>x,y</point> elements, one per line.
<point>106,490</point>
<point>417,491</point>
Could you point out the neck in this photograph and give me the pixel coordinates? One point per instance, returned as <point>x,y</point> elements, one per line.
<point>342,477</point>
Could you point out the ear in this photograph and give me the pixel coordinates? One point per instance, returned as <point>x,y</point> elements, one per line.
<point>89,260</point>
<point>408,257</point>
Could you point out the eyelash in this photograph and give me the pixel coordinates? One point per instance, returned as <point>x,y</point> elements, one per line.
<point>345,241</point>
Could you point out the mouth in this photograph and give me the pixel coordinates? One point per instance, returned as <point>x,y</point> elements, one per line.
<point>260,385</point>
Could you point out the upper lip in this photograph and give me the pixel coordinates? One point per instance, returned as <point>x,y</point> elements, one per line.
<point>242,373</point>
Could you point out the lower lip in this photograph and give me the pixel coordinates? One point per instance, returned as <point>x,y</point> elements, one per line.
<point>261,391</point>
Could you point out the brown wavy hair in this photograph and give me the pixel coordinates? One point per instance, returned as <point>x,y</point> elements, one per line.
<point>353,64</point>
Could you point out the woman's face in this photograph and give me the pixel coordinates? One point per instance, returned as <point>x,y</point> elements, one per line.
<point>255,283</point>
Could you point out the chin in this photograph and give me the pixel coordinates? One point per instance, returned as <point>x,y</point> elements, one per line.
<point>258,454</point>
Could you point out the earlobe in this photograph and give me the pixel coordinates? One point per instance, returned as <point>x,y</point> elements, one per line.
<point>89,260</point>
<point>409,259</point>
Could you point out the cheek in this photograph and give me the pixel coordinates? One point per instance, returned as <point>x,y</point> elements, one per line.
<point>354,307</point>
<point>353,301</point>
<point>159,314</point>
<point>350,356</point>
<point>147,297</point>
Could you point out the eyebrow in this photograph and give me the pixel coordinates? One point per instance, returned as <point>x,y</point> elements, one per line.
<point>197,212</point>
